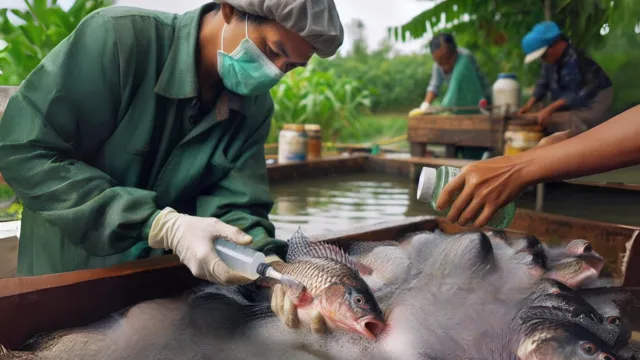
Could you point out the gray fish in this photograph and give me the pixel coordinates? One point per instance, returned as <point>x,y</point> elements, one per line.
<point>380,263</point>
<point>333,286</point>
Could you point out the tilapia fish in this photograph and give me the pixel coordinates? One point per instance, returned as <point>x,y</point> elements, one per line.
<point>333,287</point>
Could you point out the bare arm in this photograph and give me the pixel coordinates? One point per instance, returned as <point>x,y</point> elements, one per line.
<point>532,101</point>
<point>486,186</point>
<point>430,97</point>
<point>555,106</point>
<point>609,146</point>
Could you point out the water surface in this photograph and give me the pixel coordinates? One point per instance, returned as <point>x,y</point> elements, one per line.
<point>341,202</point>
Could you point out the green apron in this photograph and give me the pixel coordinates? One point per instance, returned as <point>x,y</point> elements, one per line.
<point>466,88</point>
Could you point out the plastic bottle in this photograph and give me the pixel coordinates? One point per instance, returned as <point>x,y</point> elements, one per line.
<point>432,182</point>
<point>250,263</point>
<point>506,94</point>
<point>240,258</point>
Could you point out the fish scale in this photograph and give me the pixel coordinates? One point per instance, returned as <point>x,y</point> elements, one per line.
<point>316,274</point>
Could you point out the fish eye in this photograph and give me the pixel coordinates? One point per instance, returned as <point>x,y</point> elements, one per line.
<point>614,320</point>
<point>608,357</point>
<point>358,300</point>
<point>587,248</point>
<point>589,348</point>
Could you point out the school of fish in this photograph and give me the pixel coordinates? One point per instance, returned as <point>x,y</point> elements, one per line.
<point>426,296</point>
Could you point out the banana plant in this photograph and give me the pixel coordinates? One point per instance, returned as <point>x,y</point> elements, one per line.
<point>41,26</point>
<point>504,20</point>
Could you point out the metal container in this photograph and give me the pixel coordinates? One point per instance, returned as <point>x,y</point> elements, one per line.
<point>292,144</point>
<point>314,142</point>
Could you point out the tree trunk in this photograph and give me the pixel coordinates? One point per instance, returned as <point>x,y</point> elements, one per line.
<point>547,10</point>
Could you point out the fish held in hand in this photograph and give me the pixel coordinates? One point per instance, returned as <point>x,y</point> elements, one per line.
<point>333,287</point>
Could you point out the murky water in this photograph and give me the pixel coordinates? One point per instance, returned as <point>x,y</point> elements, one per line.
<point>336,203</point>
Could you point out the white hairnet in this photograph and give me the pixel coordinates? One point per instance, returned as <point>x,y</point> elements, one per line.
<point>317,21</point>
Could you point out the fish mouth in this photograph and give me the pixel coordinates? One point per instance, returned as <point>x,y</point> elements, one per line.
<point>371,327</point>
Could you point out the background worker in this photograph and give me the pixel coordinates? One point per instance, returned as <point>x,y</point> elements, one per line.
<point>144,132</point>
<point>581,92</point>
<point>486,186</point>
<point>468,88</point>
<point>469,85</point>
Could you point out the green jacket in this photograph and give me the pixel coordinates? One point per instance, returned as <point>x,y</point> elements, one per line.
<point>105,133</point>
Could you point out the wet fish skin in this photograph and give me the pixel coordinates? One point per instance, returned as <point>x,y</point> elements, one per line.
<point>546,327</point>
<point>333,287</point>
<point>465,297</point>
<point>343,297</point>
<point>385,262</point>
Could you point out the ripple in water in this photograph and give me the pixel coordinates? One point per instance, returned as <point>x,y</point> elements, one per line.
<point>338,203</point>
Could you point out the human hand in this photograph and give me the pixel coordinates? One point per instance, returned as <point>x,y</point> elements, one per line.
<point>483,188</point>
<point>543,117</point>
<point>523,110</point>
<point>191,238</point>
<point>283,305</point>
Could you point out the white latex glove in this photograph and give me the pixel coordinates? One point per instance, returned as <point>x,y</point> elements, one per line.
<point>424,107</point>
<point>285,308</point>
<point>191,238</point>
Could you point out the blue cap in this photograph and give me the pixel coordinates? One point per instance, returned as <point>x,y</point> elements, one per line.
<point>536,42</point>
<point>507,76</point>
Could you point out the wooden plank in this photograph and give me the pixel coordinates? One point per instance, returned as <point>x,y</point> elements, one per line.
<point>607,239</point>
<point>631,187</point>
<point>44,303</point>
<point>452,122</point>
<point>383,165</point>
<point>631,262</point>
<point>31,305</point>
<point>387,230</point>
<point>315,168</point>
<point>435,162</point>
<point>454,137</point>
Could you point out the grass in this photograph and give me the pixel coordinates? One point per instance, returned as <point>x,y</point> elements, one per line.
<point>381,126</point>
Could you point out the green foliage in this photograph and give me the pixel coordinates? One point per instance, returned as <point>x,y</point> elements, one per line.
<point>397,83</point>
<point>493,31</point>
<point>310,96</point>
<point>581,20</point>
<point>44,25</point>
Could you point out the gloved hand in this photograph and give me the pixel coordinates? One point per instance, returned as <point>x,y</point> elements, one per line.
<point>424,107</point>
<point>285,308</point>
<point>191,238</point>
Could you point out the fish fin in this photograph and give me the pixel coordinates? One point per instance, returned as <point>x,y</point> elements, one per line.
<point>301,248</point>
<point>304,299</point>
<point>219,315</point>
<point>255,312</point>
<point>3,350</point>
<point>363,269</point>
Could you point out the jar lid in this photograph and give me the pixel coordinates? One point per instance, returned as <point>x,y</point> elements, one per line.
<point>312,127</point>
<point>426,184</point>
<point>507,76</point>
<point>294,127</point>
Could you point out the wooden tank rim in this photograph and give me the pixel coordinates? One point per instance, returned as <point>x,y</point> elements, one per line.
<point>31,305</point>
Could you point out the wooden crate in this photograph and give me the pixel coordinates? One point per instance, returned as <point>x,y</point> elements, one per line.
<point>455,130</point>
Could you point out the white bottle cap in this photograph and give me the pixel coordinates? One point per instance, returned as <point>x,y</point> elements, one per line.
<point>426,184</point>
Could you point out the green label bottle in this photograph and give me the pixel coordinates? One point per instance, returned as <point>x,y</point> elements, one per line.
<point>432,182</point>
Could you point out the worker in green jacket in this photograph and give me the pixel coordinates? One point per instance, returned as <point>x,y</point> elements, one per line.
<point>143,132</point>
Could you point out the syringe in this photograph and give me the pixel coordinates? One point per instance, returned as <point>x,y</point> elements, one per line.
<point>250,263</point>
